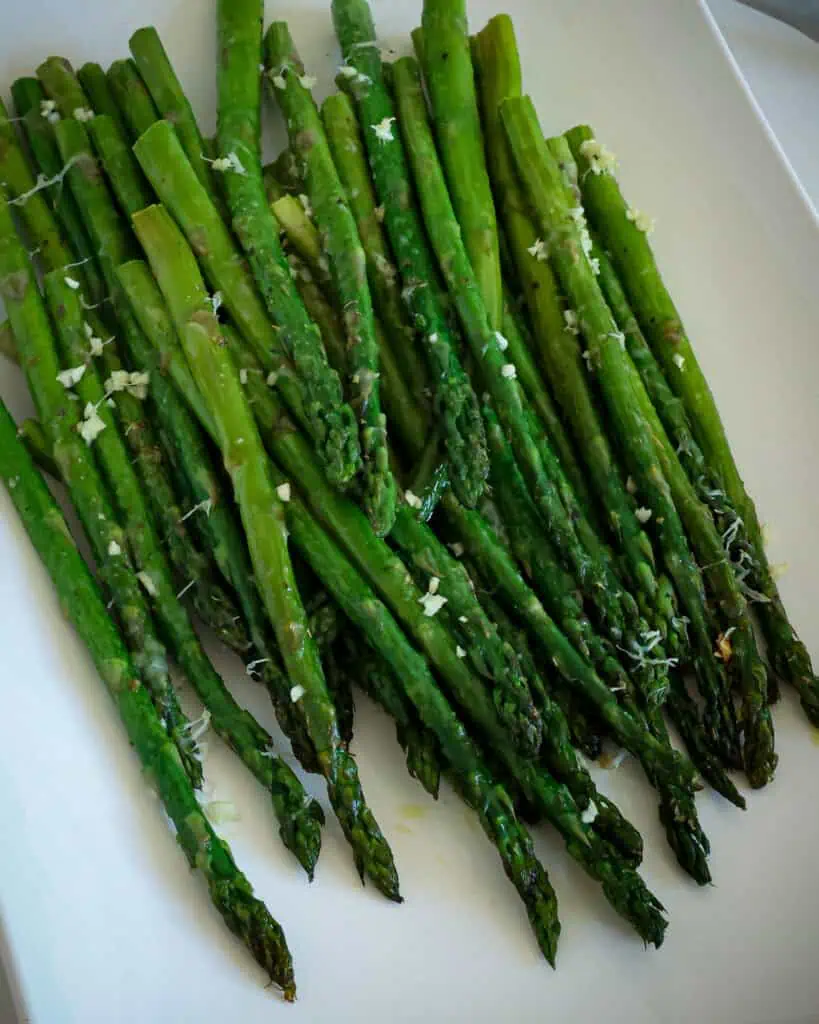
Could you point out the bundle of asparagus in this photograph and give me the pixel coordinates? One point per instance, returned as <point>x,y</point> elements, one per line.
<point>470,460</point>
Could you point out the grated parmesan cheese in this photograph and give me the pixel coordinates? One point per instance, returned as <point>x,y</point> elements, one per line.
<point>68,378</point>
<point>283,491</point>
<point>383,130</point>
<point>296,693</point>
<point>503,344</point>
<point>432,604</point>
<point>83,114</point>
<point>601,160</point>
<point>640,220</point>
<point>538,250</point>
<point>412,500</point>
<point>114,549</point>
<point>508,370</point>
<point>460,652</point>
<point>308,81</point>
<point>643,514</point>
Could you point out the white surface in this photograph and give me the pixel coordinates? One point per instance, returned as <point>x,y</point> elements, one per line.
<point>104,919</point>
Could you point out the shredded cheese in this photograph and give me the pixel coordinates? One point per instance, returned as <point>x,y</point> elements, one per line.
<point>432,604</point>
<point>383,130</point>
<point>640,220</point>
<point>68,378</point>
<point>601,160</point>
<point>413,500</point>
<point>538,250</point>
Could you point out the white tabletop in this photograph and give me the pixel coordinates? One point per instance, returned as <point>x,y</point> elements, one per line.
<point>782,69</point>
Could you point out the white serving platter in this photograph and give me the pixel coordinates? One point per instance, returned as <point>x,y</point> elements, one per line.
<point>101,919</point>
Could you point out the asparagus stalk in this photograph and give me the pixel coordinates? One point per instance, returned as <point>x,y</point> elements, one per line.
<point>34,437</point>
<point>231,893</point>
<point>447,65</point>
<point>584,736</point>
<point>131,97</point>
<point>542,404</point>
<point>486,652</point>
<point>95,86</point>
<point>19,182</point>
<point>488,347</point>
<point>240,31</point>
<point>166,91</point>
<point>347,148</point>
<point>281,351</point>
<point>455,400</point>
<point>747,667</point>
<point>261,508</point>
<point>347,263</point>
<point>29,96</point>
<point>32,332</point>
<point>625,890</point>
<point>676,802</point>
<point>299,816</point>
<point>420,744</point>
<point>643,439</point>
<point>658,316</point>
<point>159,351</point>
<point>400,400</point>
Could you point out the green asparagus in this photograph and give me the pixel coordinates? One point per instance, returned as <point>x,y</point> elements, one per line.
<point>345,256</point>
<point>455,400</point>
<point>245,915</point>
<point>447,65</point>
<point>261,508</point>
<point>331,422</point>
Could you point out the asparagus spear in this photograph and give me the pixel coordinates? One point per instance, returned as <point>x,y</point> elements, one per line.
<point>341,127</point>
<point>748,669</point>
<point>260,506</point>
<point>676,802</point>
<point>299,816</point>
<point>158,350</point>
<point>33,436</point>
<point>131,97</point>
<point>345,256</point>
<point>331,422</point>
<point>625,890</point>
<point>652,458</point>
<point>19,181</point>
<point>447,65</point>
<point>542,404</point>
<point>455,400</point>
<point>95,86</point>
<point>166,91</point>
<point>400,401</point>
<point>658,316</point>
<point>420,744</point>
<point>488,347</point>
<point>584,732</point>
<point>29,95</point>
<point>240,30</point>
<point>33,337</point>
<point>226,542</point>
<point>232,895</point>
<point>485,651</point>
